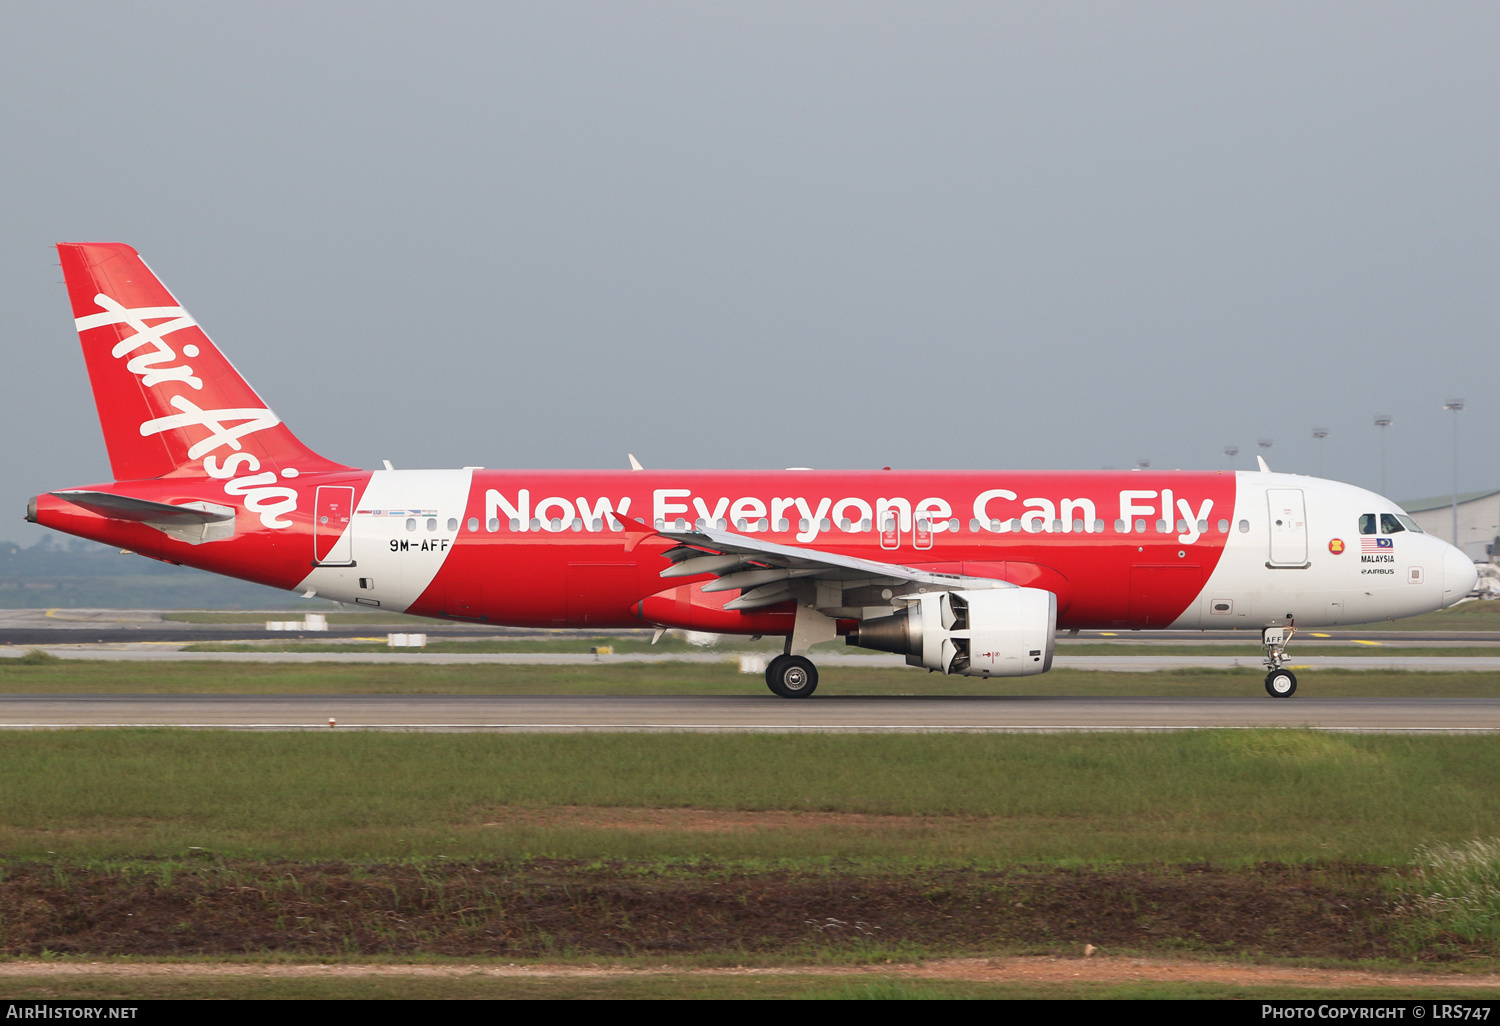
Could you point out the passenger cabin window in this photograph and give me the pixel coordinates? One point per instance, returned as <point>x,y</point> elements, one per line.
<point>1389,524</point>
<point>1367,523</point>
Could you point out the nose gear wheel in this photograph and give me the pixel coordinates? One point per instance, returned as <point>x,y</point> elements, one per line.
<point>1281,683</point>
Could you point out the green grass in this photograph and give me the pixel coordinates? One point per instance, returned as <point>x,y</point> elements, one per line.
<point>575,646</point>
<point>1236,797</point>
<point>472,986</point>
<point>261,616</point>
<point>1297,649</point>
<point>419,677</point>
<point>1477,615</point>
<point>1457,888</point>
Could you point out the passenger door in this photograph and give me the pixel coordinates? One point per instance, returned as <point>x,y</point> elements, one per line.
<point>1288,523</point>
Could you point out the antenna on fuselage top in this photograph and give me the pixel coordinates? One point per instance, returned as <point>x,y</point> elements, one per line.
<point>635,464</point>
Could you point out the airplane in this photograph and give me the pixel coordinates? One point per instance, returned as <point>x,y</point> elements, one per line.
<point>970,572</point>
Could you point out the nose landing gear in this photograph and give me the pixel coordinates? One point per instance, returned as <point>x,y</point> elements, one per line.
<point>1280,683</point>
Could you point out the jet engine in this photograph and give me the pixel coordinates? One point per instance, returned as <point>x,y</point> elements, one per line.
<point>1003,633</point>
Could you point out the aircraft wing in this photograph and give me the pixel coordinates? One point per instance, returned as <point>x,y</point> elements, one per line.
<point>763,570</point>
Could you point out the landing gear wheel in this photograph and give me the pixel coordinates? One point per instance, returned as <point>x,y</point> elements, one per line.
<point>1281,683</point>
<point>792,676</point>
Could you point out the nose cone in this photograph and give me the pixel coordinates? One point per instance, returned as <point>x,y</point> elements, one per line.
<point>1459,576</point>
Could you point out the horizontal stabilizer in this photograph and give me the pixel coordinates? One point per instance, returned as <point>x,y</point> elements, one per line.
<point>123,507</point>
<point>192,522</point>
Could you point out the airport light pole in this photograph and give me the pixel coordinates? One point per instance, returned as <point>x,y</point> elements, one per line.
<point>1382,421</point>
<point>1456,405</point>
<point>1320,434</point>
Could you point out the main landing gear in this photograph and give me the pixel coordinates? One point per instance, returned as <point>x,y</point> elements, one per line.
<point>792,676</point>
<point>1280,683</point>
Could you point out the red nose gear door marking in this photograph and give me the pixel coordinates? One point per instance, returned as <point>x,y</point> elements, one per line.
<point>333,542</point>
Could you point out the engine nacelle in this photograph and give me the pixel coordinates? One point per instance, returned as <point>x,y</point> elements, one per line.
<point>1003,633</point>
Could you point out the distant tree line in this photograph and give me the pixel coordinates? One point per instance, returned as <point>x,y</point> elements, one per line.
<point>76,574</point>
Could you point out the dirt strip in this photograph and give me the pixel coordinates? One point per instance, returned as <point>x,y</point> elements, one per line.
<point>1021,969</point>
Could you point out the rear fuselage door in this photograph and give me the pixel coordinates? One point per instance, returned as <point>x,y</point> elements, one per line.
<point>1288,514</point>
<point>332,539</point>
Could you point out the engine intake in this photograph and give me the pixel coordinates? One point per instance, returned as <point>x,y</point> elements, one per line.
<point>1002,633</point>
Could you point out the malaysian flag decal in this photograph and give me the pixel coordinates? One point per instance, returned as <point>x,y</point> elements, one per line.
<point>1369,544</point>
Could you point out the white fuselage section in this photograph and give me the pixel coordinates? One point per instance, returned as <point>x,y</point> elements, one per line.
<point>1263,580</point>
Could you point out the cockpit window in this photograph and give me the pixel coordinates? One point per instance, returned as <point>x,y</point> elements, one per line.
<point>1411,525</point>
<point>1367,523</point>
<point>1389,524</point>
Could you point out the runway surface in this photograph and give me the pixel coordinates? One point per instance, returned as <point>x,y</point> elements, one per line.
<point>748,713</point>
<point>123,626</point>
<point>1114,663</point>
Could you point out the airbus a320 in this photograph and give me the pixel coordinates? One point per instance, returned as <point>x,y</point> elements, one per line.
<point>960,572</point>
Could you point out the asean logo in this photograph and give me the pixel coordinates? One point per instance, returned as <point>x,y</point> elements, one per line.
<point>1336,546</point>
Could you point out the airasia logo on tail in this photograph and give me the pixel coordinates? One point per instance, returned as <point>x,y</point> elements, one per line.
<point>261,492</point>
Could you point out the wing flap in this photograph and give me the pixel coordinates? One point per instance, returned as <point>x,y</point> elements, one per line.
<point>704,548</point>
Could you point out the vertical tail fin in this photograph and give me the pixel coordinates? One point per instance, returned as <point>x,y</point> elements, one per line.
<point>169,402</point>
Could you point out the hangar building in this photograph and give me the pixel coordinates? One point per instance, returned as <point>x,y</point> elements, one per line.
<point>1478,521</point>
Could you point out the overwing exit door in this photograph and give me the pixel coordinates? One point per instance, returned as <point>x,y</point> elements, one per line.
<point>890,530</point>
<point>333,541</point>
<point>1288,527</point>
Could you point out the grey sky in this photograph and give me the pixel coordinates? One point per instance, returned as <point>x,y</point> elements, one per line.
<point>761,235</point>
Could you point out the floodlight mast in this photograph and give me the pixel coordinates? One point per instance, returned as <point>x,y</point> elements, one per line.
<point>1382,421</point>
<point>1320,433</point>
<point>1456,405</point>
